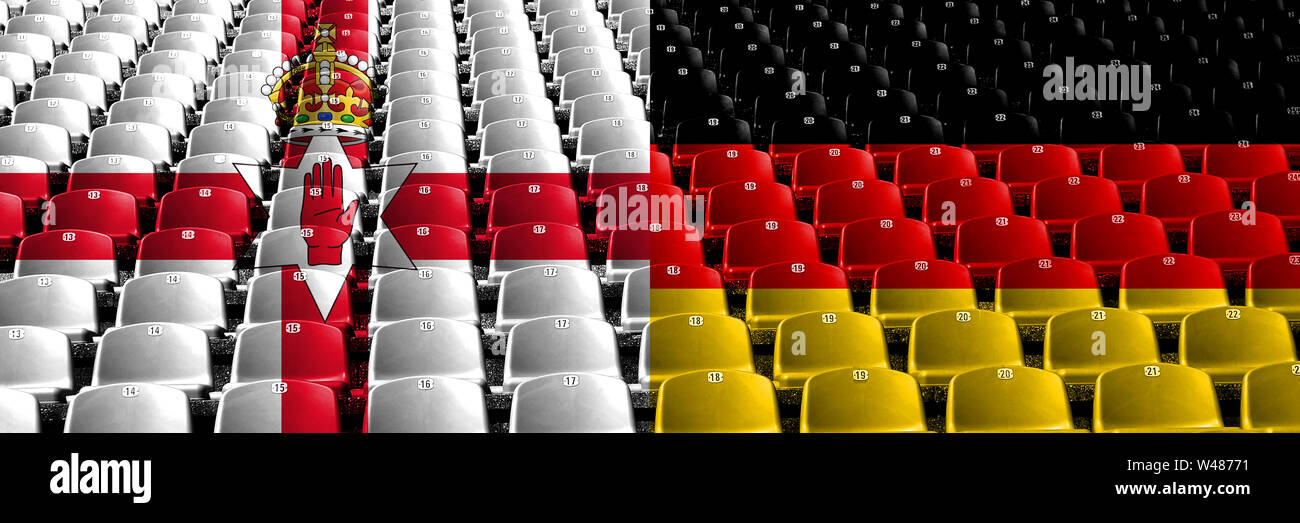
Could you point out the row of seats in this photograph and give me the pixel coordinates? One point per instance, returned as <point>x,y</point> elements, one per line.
<point>1145,397</point>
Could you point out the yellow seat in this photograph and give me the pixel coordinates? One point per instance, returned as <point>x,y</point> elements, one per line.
<point>862,400</point>
<point>688,342</point>
<point>815,342</point>
<point>947,343</point>
<point>781,290</point>
<point>1008,399</point>
<point>717,401</point>
<point>1159,397</point>
<point>1034,289</point>
<point>1273,283</point>
<point>1080,345</point>
<point>905,290</point>
<point>1168,287</point>
<point>1270,398</point>
<point>679,289</point>
<point>1227,342</point>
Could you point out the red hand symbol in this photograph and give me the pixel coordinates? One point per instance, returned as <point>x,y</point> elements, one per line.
<point>326,223</point>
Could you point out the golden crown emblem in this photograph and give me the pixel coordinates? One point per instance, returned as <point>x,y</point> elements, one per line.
<point>332,86</point>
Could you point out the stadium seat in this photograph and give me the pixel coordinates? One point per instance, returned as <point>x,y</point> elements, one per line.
<point>620,166</point>
<point>426,404</point>
<point>19,412</point>
<point>1279,195</point>
<point>572,402</point>
<point>128,408</point>
<point>1023,166</point>
<point>817,167</point>
<point>547,290</point>
<point>26,178</point>
<point>1236,238</point>
<point>917,167</point>
<point>128,174</point>
<point>36,361</point>
<point>946,343</point>
<point>179,297</point>
<point>417,246</point>
<point>950,202</point>
<point>439,167</point>
<point>426,347</point>
<point>532,202</point>
<point>290,350</point>
<point>682,343</point>
<point>62,303</point>
<point>904,290</point>
<point>275,406</point>
<point>420,204</point>
<point>215,208</point>
<point>747,246</point>
<point>308,295</point>
<point>196,250</point>
<point>112,213</point>
<point>719,166</point>
<point>780,290</point>
<point>48,143</point>
<point>424,292</point>
<point>736,202</point>
<point>841,202</point>
<point>161,353</point>
<point>628,250</point>
<point>1227,342</point>
<point>1008,399</point>
<point>678,289</point>
<point>814,342</point>
<point>1033,290</point>
<point>1157,397</point>
<point>1268,398</point>
<point>85,254</point>
<point>1131,165</point>
<point>691,402</point>
<point>1273,283</point>
<point>873,399</point>
<point>531,244</point>
<point>1240,164</point>
<point>1108,241</point>
<point>1081,344</point>
<point>1178,198</point>
<point>1062,201</point>
<point>986,244</point>
<point>1167,287</point>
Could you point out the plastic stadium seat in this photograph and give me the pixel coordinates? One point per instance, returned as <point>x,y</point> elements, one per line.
<point>26,178</point>
<point>421,204</point>
<point>841,202</point>
<point>678,289</point>
<point>12,221</point>
<point>526,166</point>
<point>917,167</point>
<point>128,408</point>
<point>618,205</point>
<point>572,402</point>
<point>532,202</point>
<point>161,353</point>
<point>609,134</point>
<point>296,350</point>
<point>38,46</point>
<point>19,412</point>
<point>620,166</point>
<point>145,140</point>
<point>1008,399</point>
<point>423,135</point>
<point>693,136</point>
<point>1269,397</point>
<point>230,171</point>
<point>1178,198</point>
<point>949,342</point>
<point>519,133</point>
<point>424,292</point>
<point>166,112</point>
<point>904,290</point>
<point>1227,342</point>
<point>62,303</point>
<point>438,167</point>
<point>986,244</point>
<point>106,211</point>
<point>635,307</point>
<point>178,297</point>
<point>278,406</point>
<point>161,85</point>
<point>426,404</point>
<point>1062,201</point>
<point>873,399</point>
<point>1242,163</point>
<point>1131,165</point>
<point>197,250</point>
<point>530,244</point>
<point>1279,194</point>
<point>1023,166</point>
<point>121,45</point>
<point>1083,343</point>
<point>1033,290</point>
<point>682,343</point>
<point>736,202</point>
<point>719,166</point>
<point>748,244</point>
<point>547,290</point>
<point>37,361</point>
<point>690,402</point>
<point>781,290</point>
<point>85,254</point>
<point>1167,287</point>
<point>1157,397</point>
<point>48,143</point>
<point>1110,241</point>
<point>861,241</point>
<point>307,295</point>
<point>128,174</point>
<point>426,347</point>
<point>815,342</point>
<point>1236,238</point>
<point>1273,283</point>
<point>72,115</point>
<point>628,250</point>
<point>560,344</point>
<point>285,248</point>
<point>216,208</point>
<point>950,202</point>
<point>414,246</point>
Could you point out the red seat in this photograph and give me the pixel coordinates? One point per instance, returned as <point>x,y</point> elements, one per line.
<point>661,171</point>
<point>1241,163</point>
<point>919,166</point>
<point>720,166</point>
<point>184,244</point>
<point>297,303</point>
<point>735,202</point>
<point>131,175</point>
<point>868,244</point>
<point>307,407</point>
<point>13,223</point>
<point>314,352</point>
<point>1022,166</point>
<point>755,243</point>
<point>532,202</point>
<point>1061,201</point>
<point>618,206</point>
<point>455,177</point>
<point>986,244</point>
<point>101,210</point>
<point>225,180</point>
<point>26,178</point>
<point>1171,271</point>
<point>555,241</point>
<point>1108,241</point>
<point>1273,282</point>
<point>424,243</point>
<point>355,20</point>
<point>1236,238</point>
<point>294,8</point>
<point>684,153</point>
<point>676,245</point>
<point>1178,198</point>
<point>420,204</point>
<point>1131,165</point>
<point>629,244</point>
<point>1279,194</point>
<point>952,201</point>
<point>816,167</point>
<point>69,247</point>
<point>345,6</point>
<point>217,208</point>
<point>843,201</point>
<point>686,276</point>
<point>495,181</point>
